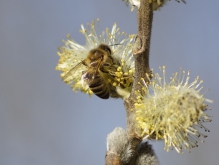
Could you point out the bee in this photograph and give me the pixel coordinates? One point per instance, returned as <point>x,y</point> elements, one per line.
<point>99,62</point>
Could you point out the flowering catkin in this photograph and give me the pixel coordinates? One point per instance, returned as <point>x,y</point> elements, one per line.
<point>72,54</point>
<point>156,4</point>
<point>172,111</point>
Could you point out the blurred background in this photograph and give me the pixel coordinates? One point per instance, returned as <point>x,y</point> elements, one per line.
<point>42,122</point>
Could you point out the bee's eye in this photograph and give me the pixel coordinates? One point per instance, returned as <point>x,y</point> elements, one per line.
<point>107,49</point>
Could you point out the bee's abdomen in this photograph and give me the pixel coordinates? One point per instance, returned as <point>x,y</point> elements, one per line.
<point>100,88</point>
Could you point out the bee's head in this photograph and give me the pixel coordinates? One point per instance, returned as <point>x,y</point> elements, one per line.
<point>105,48</point>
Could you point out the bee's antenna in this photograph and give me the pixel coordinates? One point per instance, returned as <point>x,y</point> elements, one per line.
<point>115,44</point>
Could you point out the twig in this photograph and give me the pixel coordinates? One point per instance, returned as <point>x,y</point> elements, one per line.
<point>130,147</point>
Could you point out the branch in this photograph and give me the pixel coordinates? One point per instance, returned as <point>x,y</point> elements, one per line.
<point>124,147</point>
<point>141,51</point>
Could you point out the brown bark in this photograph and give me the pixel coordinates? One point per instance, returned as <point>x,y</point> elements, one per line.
<point>141,55</point>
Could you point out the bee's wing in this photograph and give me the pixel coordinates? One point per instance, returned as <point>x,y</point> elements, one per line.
<point>72,69</point>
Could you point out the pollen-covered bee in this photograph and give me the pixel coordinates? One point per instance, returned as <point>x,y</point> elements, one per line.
<point>99,63</point>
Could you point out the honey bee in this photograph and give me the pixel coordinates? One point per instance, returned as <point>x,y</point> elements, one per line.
<point>99,62</point>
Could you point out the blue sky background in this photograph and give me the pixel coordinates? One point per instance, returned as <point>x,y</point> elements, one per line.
<point>42,122</point>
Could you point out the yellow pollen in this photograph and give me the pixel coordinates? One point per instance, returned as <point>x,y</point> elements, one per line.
<point>119,69</point>
<point>130,71</point>
<point>125,74</point>
<point>118,74</point>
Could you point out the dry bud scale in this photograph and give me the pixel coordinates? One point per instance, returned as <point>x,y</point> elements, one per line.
<point>104,66</point>
<point>174,111</point>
